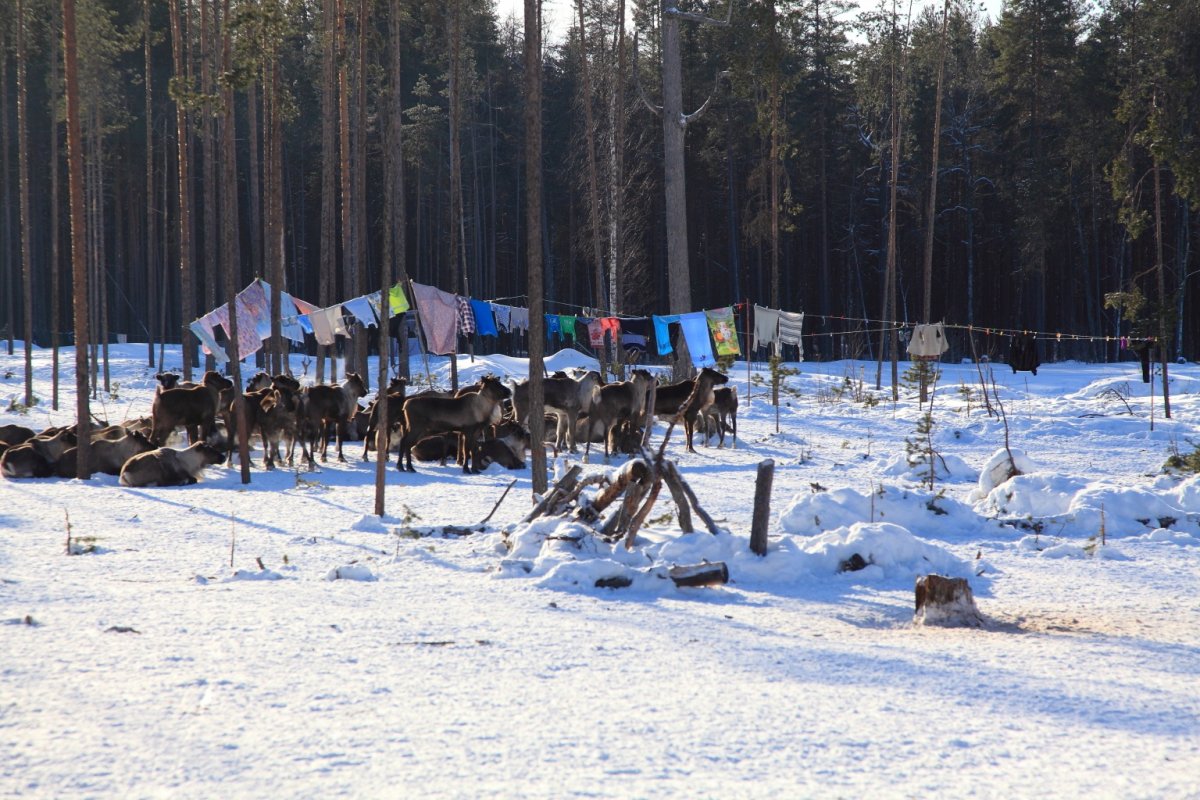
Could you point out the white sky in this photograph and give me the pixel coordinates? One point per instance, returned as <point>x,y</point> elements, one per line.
<point>559,13</point>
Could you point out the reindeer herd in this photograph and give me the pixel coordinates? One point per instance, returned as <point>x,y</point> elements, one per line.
<point>480,424</point>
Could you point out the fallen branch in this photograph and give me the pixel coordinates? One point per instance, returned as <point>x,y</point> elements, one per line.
<point>498,502</point>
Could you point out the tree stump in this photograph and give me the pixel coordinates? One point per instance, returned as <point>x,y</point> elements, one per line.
<point>947,602</point>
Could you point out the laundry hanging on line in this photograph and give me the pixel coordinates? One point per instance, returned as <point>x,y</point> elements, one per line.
<point>438,312</point>
<point>928,341</point>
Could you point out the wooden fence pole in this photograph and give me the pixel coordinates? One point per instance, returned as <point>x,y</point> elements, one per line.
<point>762,506</point>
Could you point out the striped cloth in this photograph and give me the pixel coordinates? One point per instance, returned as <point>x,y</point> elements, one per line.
<point>791,324</point>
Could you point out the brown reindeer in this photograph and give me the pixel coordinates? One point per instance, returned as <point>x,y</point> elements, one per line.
<point>168,467</point>
<point>466,415</point>
<point>38,457</point>
<point>105,455</point>
<point>625,400</point>
<point>395,394</point>
<point>331,404</point>
<point>721,414</point>
<point>688,399</point>
<point>565,398</point>
<point>13,435</point>
<point>194,407</point>
<point>505,444</point>
<point>166,380</point>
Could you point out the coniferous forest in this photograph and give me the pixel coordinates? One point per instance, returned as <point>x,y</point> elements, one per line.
<point>1037,171</point>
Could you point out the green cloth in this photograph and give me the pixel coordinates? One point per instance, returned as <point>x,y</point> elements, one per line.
<point>566,326</point>
<point>723,327</point>
<point>397,301</point>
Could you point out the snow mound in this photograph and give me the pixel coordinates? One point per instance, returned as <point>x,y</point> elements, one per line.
<point>1122,511</point>
<point>1061,549</point>
<point>252,575</point>
<point>1037,494</point>
<point>947,468</point>
<point>568,556</point>
<point>350,572</point>
<point>999,468</point>
<point>1167,536</point>
<point>891,552</point>
<point>914,508</point>
<point>368,523</point>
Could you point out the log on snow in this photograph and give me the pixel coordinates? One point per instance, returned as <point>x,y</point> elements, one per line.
<point>700,574</point>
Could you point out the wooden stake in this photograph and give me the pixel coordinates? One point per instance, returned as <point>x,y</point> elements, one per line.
<point>762,506</point>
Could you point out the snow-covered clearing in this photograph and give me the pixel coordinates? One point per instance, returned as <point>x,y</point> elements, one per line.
<point>365,659</point>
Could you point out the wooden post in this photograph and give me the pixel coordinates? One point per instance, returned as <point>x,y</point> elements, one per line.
<point>762,506</point>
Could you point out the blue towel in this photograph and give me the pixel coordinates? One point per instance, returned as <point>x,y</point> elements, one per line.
<point>695,333</point>
<point>662,334</point>
<point>485,323</point>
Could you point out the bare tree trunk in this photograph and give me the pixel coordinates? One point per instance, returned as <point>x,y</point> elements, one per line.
<point>187,298</point>
<point>151,228</point>
<point>458,279</point>
<point>533,238</point>
<point>889,303</point>
<point>823,171</point>
<point>679,277</point>
<point>931,210</point>
<point>1163,300</point>
<point>207,132</point>
<point>775,170</point>
<point>10,288</point>
<point>256,230</point>
<point>23,173</point>
<point>616,158</point>
<point>360,183</point>
<point>593,176</point>
<point>328,170</point>
<point>78,256</point>
<point>101,252</point>
<point>349,268</point>
<point>230,241</point>
<point>396,190</point>
<point>55,237</point>
<point>280,361</point>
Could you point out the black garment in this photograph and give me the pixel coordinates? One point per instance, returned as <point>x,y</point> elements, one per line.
<point>636,334</point>
<point>1023,354</point>
<point>1146,352</point>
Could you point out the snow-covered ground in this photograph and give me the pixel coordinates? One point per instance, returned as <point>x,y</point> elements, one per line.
<point>342,654</point>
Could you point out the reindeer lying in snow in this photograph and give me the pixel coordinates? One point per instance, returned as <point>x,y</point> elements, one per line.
<point>168,467</point>
<point>37,457</point>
